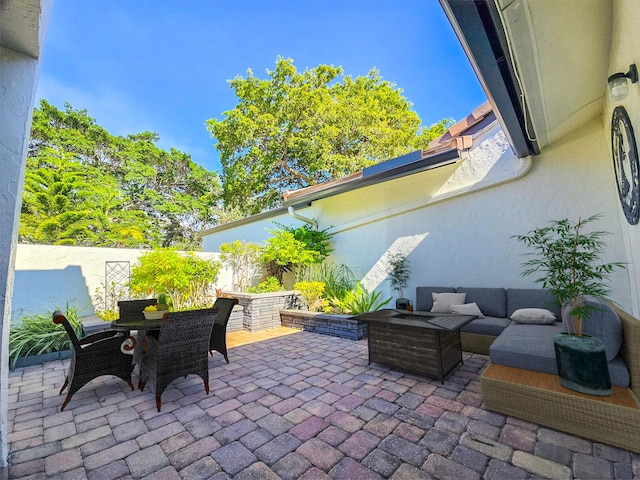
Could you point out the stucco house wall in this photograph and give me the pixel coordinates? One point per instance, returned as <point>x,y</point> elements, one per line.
<point>625,46</point>
<point>456,223</point>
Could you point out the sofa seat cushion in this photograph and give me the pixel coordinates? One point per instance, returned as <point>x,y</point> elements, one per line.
<point>491,301</point>
<point>518,298</point>
<point>487,326</point>
<point>530,347</point>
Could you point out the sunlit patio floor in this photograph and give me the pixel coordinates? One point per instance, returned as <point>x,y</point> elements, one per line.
<point>290,404</point>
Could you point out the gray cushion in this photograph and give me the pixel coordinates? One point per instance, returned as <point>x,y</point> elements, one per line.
<point>486,326</point>
<point>604,324</point>
<point>538,353</point>
<point>424,299</point>
<point>518,298</point>
<point>527,346</point>
<point>491,301</point>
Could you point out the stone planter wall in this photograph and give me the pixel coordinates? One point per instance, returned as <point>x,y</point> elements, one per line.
<point>261,311</point>
<point>38,359</point>
<point>236,319</point>
<point>328,324</point>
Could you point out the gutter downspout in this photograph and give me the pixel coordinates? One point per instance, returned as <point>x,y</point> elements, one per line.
<point>310,221</point>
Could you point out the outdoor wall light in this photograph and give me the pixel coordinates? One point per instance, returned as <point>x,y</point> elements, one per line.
<point>618,86</point>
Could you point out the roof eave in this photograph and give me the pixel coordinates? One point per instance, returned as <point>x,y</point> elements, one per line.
<point>436,160</point>
<point>478,27</point>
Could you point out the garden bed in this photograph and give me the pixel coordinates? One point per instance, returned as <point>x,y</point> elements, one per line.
<point>38,359</point>
<point>336,325</point>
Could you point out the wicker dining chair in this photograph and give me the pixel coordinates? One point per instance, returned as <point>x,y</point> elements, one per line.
<point>181,349</point>
<point>134,310</point>
<point>93,356</point>
<point>219,332</point>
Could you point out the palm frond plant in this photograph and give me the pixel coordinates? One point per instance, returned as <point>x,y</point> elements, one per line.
<point>37,334</point>
<point>569,260</point>
<point>360,300</point>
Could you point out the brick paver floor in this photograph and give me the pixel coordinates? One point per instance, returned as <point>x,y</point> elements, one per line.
<point>303,406</point>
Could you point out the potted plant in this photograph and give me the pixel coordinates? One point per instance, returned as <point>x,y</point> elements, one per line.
<point>399,272</point>
<point>569,259</point>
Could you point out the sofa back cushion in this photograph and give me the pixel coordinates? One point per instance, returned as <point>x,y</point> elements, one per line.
<point>518,298</point>
<point>424,299</point>
<point>603,323</point>
<point>491,301</point>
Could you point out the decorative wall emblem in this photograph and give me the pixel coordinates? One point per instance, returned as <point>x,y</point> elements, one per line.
<point>625,164</point>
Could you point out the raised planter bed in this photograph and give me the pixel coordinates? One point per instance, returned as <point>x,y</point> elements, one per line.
<point>38,359</point>
<point>335,325</point>
<point>260,311</point>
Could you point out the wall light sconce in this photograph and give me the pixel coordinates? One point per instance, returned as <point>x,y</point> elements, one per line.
<point>618,85</point>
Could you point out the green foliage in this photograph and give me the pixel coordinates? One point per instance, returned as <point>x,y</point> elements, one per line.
<point>337,279</point>
<point>317,242</point>
<point>360,300</point>
<point>313,293</point>
<point>568,259</point>
<point>296,129</point>
<point>244,260</point>
<point>37,334</point>
<point>85,186</point>
<point>399,272</point>
<point>186,278</point>
<point>282,253</point>
<point>269,284</point>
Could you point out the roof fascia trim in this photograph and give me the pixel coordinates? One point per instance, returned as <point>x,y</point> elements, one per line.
<point>440,159</point>
<point>479,29</point>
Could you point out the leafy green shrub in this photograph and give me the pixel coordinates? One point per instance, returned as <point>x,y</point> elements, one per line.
<point>186,278</point>
<point>312,292</point>
<point>399,272</point>
<point>282,253</point>
<point>360,300</point>
<point>244,260</point>
<point>270,284</point>
<point>37,334</point>
<point>337,279</point>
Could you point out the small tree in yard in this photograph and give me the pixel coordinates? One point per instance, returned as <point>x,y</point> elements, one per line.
<point>186,278</point>
<point>244,260</point>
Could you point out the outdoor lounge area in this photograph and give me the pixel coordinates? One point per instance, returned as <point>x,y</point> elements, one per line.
<point>289,404</point>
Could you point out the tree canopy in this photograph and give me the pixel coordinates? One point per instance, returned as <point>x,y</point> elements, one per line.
<point>296,129</point>
<point>85,186</point>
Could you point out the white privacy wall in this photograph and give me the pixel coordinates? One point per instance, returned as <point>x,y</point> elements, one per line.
<point>48,276</point>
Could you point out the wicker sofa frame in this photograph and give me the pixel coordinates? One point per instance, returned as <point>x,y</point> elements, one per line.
<point>534,397</point>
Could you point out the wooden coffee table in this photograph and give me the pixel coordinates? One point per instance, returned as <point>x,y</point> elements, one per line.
<point>424,342</point>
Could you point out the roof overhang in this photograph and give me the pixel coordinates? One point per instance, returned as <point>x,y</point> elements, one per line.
<point>542,63</point>
<point>398,167</point>
<point>21,26</point>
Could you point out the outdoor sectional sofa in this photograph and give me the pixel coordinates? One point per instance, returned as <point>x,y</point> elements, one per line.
<point>521,379</point>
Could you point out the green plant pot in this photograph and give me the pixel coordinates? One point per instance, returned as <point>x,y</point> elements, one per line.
<point>582,364</point>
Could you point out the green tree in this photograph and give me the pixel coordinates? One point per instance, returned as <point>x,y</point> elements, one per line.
<point>186,278</point>
<point>296,129</point>
<point>165,189</point>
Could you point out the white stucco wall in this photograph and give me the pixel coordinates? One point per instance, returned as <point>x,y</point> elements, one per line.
<point>625,47</point>
<point>48,276</point>
<point>456,223</point>
<point>18,83</point>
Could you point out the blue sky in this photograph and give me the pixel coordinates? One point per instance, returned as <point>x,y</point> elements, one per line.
<point>163,65</point>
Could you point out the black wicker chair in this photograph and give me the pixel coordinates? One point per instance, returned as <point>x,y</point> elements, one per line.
<point>181,349</point>
<point>93,356</point>
<point>219,332</point>
<point>133,310</point>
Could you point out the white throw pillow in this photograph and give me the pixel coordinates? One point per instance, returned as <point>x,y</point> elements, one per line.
<point>534,316</point>
<point>442,301</point>
<point>467,309</point>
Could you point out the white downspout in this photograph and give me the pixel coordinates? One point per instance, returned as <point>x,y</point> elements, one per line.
<point>310,221</point>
